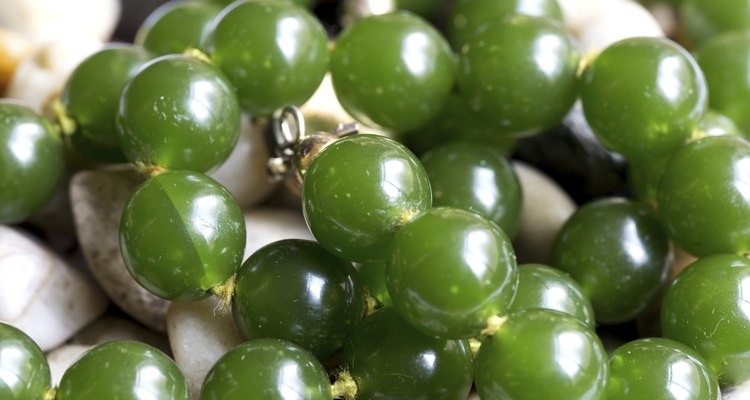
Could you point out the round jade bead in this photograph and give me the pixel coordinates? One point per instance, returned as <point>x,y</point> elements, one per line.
<point>619,254</point>
<point>274,52</point>
<point>475,178</point>
<point>703,198</point>
<point>541,354</point>
<point>297,291</point>
<point>24,372</point>
<point>706,307</point>
<point>724,59</point>
<point>540,286</point>
<point>471,16</point>
<point>123,370</point>
<point>425,8</point>
<point>267,369</point>
<point>643,97</point>
<point>449,271</point>
<point>178,112</point>
<point>704,19</point>
<point>358,191</point>
<point>31,161</point>
<point>91,97</point>
<point>519,74</point>
<point>181,235</point>
<point>177,26</point>
<point>393,70</point>
<point>716,124</point>
<point>644,177</point>
<point>372,274</point>
<point>657,368</point>
<point>303,3</point>
<point>389,359</point>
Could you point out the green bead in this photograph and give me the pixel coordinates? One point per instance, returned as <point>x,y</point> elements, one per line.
<point>541,354</point>
<point>296,291</point>
<point>269,369</point>
<point>303,3</point>
<point>389,359</point>
<point>475,178</point>
<point>643,97</point>
<point>373,275</point>
<point>703,19</point>
<point>274,52</point>
<point>178,112</point>
<point>619,254</point>
<point>424,8</point>
<point>449,271</point>
<point>703,198</point>
<point>644,177</point>
<point>181,235</point>
<point>91,97</point>
<point>469,17</point>
<point>31,161</point>
<point>540,286</point>
<point>177,26</point>
<point>393,70</point>
<point>520,74</point>
<point>24,372</point>
<point>123,370</point>
<point>706,308</point>
<point>657,368</point>
<point>358,191</point>
<point>717,124</point>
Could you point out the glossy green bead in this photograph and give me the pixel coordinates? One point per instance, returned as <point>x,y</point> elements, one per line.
<point>425,8</point>
<point>303,3</point>
<point>706,308</point>
<point>24,372</point>
<point>31,161</point>
<point>91,97</point>
<point>178,112</point>
<point>274,52</point>
<point>704,19</point>
<point>703,198</point>
<point>540,286</point>
<point>297,291</point>
<point>475,178</point>
<point>519,74</point>
<point>471,16</point>
<point>373,275</point>
<point>723,60</point>
<point>657,368</point>
<point>449,271</point>
<point>716,124</point>
<point>389,359</point>
<point>643,97</point>
<point>393,70</point>
<point>618,252</point>
<point>541,354</point>
<point>644,177</point>
<point>181,235</point>
<point>267,369</point>
<point>177,26</point>
<point>123,370</point>
<point>358,191</point>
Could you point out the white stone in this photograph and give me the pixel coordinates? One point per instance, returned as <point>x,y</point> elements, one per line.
<point>268,225</point>
<point>41,294</point>
<point>199,336</point>
<point>61,358</point>
<point>620,20</point>
<point>740,392</point>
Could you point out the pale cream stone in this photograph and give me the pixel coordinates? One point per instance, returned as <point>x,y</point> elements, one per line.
<point>620,20</point>
<point>61,358</point>
<point>268,225</point>
<point>13,48</point>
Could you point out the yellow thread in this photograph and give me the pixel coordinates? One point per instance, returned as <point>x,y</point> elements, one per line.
<point>586,60</point>
<point>371,304</point>
<point>475,344</point>
<point>67,124</point>
<point>50,394</point>
<point>150,170</point>
<point>199,55</point>
<point>345,387</point>
<point>224,292</point>
<point>494,323</point>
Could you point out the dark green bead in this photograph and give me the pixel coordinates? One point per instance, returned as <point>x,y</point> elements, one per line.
<point>706,308</point>
<point>519,74</point>
<point>471,16</point>
<point>274,52</point>
<point>358,191</point>
<point>618,252</point>
<point>541,354</point>
<point>659,368</point>
<point>425,8</point>
<point>393,70</point>
<point>268,369</point>
<point>123,370</point>
<point>389,359</point>
<point>31,161</point>
<point>643,97</point>
<point>475,178</point>
<point>449,271</point>
<point>540,286</point>
<point>24,372</point>
<point>373,275</point>
<point>703,198</point>
<point>91,97</point>
<point>717,124</point>
<point>177,26</point>
<point>644,177</point>
<point>297,291</point>
<point>181,235</point>
<point>178,112</point>
<point>704,19</point>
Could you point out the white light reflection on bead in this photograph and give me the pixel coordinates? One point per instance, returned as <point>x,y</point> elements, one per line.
<point>485,187</point>
<point>546,50</point>
<point>680,372</point>
<point>201,96</point>
<point>633,244</point>
<point>744,296</point>
<point>668,79</point>
<point>554,296</point>
<point>394,172</point>
<point>414,52</point>
<point>476,245</point>
<point>149,382</point>
<point>206,209</point>
<point>288,381</point>
<point>571,353</point>
<point>315,287</point>
<point>742,178</point>
<point>428,360</point>
<point>11,357</point>
<point>22,143</point>
<point>287,32</point>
